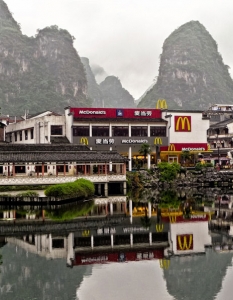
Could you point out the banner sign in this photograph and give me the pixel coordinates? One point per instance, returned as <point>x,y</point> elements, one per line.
<point>182,219</point>
<point>185,147</point>
<point>121,256</point>
<point>130,113</point>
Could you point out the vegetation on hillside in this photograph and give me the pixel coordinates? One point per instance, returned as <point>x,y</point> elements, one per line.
<point>192,74</point>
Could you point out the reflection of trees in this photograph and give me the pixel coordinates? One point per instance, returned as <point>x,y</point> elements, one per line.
<point>146,221</point>
<point>70,212</point>
<point>169,199</point>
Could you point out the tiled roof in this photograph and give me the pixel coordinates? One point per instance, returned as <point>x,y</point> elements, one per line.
<point>56,153</point>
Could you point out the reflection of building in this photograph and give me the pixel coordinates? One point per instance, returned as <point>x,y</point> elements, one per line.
<point>188,235</point>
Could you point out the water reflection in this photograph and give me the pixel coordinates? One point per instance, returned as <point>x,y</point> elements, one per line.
<point>155,249</point>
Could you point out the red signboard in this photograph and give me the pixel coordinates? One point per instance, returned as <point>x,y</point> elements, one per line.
<point>183,123</point>
<point>185,147</point>
<point>184,242</point>
<point>123,256</point>
<point>183,219</point>
<point>113,113</point>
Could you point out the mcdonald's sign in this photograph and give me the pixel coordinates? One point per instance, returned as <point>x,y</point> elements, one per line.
<point>158,141</point>
<point>164,263</point>
<point>171,147</point>
<point>183,123</point>
<point>159,227</point>
<point>184,242</point>
<point>86,233</point>
<point>84,141</point>
<point>172,219</point>
<point>161,103</point>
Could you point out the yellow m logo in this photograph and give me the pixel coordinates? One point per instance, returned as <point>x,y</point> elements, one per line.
<point>158,141</point>
<point>164,263</point>
<point>171,147</point>
<point>84,141</point>
<point>86,233</point>
<point>161,103</point>
<point>159,227</point>
<point>172,219</point>
<point>185,242</point>
<point>184,122</point>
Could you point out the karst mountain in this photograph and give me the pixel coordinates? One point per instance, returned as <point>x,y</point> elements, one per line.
<point>192,74</point>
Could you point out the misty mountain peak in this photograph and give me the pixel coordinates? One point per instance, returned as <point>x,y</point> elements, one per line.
<point>192,74</point>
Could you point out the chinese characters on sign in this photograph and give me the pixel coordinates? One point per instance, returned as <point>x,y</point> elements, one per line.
<point>147,113</point>
<point>104,141</point>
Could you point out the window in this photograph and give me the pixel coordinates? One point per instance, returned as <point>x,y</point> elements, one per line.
<point>15,134</point>
<point>157,131</point>
<point>26,134</point>
<point>120,131</point>
<point>139,131</point>
<point>81,131</point>
<point>100,131</point>
<point>20,136</point>
<point>56,129</point>
<point>32,133</point>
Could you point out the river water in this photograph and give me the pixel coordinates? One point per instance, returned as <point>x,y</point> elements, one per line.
<point>52,253</point>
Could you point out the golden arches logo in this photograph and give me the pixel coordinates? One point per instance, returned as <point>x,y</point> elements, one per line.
<point>208,147</point>
<point>164,263</point>
<point>161,103</point>
<point>184,122</point>
<point>86,233</point>
<point>158,141</point>
<point>84,141</point>
<point>171,147</point>
<point>184,242</point>
<point>159,227</point>
<point>172,219</point>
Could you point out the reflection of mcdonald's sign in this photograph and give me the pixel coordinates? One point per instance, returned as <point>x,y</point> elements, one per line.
<point>172,219</point>
<point>86,233</point>
<point>164,263</point>
<point>158,141</point>
<point>184,242</point>
<point>84,141</point>
<point>183,123</point>
<point>161,103</point>
<point>159,227</point>
<point>171,147</point>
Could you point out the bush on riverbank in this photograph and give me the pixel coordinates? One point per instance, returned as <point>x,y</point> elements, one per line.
<point>167,171</point>
<point>81,188</point>
<point>11,188</point>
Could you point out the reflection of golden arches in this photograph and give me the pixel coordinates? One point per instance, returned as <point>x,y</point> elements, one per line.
<point>86,233</point>
<point>159,227</point>
<point>161,103</point>
<point>158,141</point>
<point>164,263</point>
<point>172,219</point>
<point>171,147</point>
<point>84,141</point>
<point>183,120</point>
<point>185,245</point>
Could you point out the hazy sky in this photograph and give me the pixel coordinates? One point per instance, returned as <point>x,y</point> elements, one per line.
<point>125,37</point>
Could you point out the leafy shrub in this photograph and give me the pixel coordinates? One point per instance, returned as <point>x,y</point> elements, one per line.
<point>81,188</point>
<point>168,172</point>
<point>27,194</point>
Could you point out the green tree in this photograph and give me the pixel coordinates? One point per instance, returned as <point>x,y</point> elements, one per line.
<point>145,150</point>
<point>185,156</point>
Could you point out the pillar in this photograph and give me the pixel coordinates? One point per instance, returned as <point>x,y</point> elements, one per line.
<point>131,211</point>
<point>149,209</point>
<point>85,169</point>
<point>13,170</point>
<point>110,166</point>
<point>64,169</point>
<point>105,190</point>
<point>148,161</point>
<point>111,208</point>
<point>131,240</point>
<point>112,241</point>
<point>150,238</point>
<point>130,159</point>
<point>92,241</point>
<point>124,187</point>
